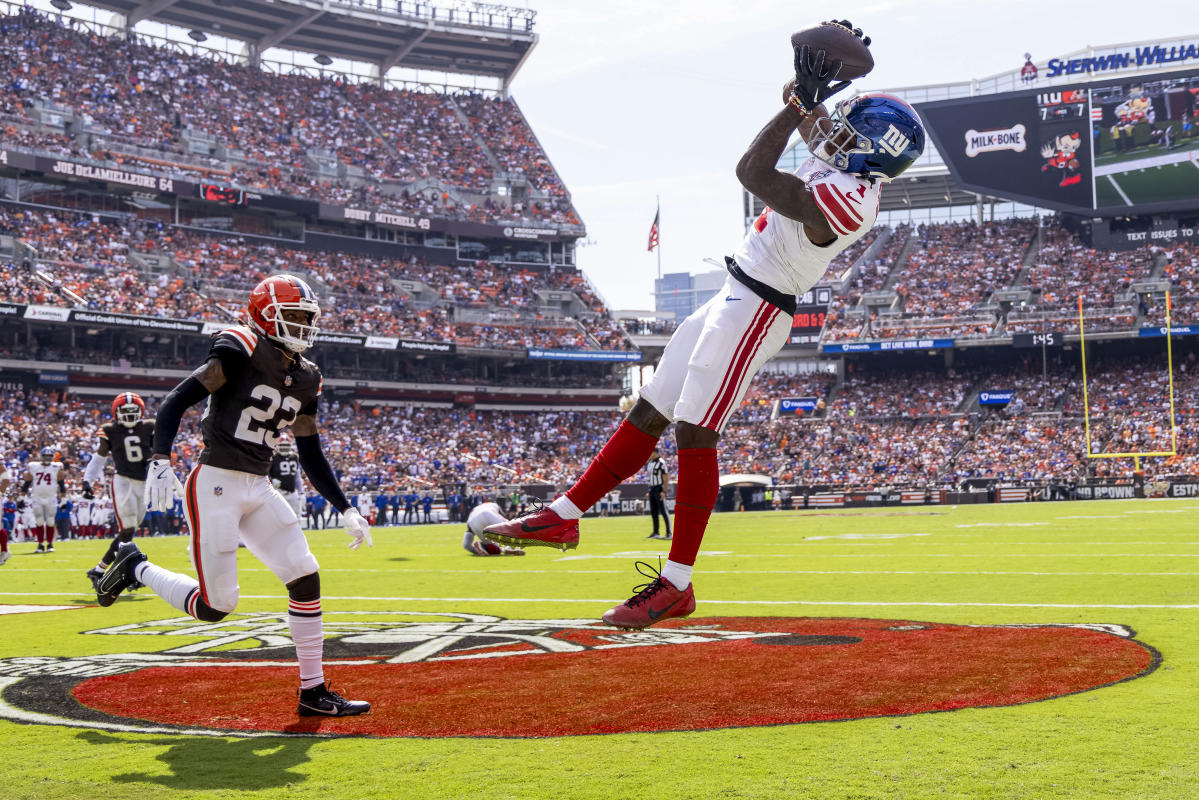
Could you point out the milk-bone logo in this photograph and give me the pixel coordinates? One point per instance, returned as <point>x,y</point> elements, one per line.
<point>1012,138</point>
<point>479,675</point>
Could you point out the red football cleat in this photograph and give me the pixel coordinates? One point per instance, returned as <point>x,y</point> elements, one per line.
<point>652,603</point>
<point>541,528</point>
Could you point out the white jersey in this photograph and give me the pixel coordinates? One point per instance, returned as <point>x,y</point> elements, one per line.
<point>483,515</point>
<point>45,479</point>
<point>778,252</point>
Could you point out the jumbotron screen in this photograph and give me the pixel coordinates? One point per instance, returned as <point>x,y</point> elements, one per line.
<point>1098,148</point>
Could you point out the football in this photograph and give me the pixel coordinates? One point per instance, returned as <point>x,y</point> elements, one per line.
<point>840,43</point>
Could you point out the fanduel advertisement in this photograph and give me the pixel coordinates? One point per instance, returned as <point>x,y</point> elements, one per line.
<point>995,397</point>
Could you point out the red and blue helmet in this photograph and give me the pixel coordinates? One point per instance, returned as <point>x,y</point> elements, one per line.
<point>886,137</point>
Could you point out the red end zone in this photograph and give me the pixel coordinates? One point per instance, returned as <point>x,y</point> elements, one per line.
<point>826,669</point>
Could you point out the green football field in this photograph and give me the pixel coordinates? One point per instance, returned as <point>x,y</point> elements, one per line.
<point>1043,650</point>
<point>1152,185</point>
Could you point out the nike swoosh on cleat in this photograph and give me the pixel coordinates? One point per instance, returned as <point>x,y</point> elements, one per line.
<point>653,615</point>
<point>524,526</point>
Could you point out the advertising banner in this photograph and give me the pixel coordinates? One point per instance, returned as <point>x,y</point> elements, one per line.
<point>872,347</point>
<point>131,321</point>
<point>790,405</point>
<point>995,397</point>
<point>584,355</point>
<point>428,347</point>
<point>47,313</point>
<point>1176,330</point>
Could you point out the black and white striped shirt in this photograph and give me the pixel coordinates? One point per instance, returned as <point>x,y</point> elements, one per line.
<point>657,472</point>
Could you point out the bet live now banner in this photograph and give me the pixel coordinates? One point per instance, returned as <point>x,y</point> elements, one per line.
<point>874,347</point>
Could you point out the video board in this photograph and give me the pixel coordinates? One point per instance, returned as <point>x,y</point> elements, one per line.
<point>1100,148</point>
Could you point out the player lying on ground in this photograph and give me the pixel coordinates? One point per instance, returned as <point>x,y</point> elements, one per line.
<point>257,383</point>
<point>811,216</point>
<point>477,521</point>
<point>128,439</point>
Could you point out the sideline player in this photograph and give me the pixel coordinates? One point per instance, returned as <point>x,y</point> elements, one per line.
<point>811,216</point>
<point>285,476</point>
<point>480,517</point>
<point>8,512</point>
<point>44,481</point>
<point>257,383</point>
<point>128,439</point>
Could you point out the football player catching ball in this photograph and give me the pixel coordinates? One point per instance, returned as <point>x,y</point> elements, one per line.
<point>811,215</point>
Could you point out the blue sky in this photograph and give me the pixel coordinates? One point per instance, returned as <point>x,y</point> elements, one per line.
<point>634,98</point>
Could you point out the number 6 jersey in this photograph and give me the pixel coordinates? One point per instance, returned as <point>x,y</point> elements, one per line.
<point>130,447</point>
<point>262,395</point>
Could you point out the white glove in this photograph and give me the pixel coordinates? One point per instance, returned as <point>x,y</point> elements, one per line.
<point>161,484</point>
<point>356,527</point>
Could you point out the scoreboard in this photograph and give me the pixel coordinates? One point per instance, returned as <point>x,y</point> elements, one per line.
<point>1097,149</point>
<point>810,314</point>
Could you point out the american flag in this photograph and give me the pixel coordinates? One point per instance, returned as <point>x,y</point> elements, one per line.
<point>653,233</point>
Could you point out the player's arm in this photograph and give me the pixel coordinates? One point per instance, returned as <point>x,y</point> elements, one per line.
<point>757,170</point>
<point>194,388</point>
<point>322,478</point>
<point>94,471</point>
<point>161,481</point>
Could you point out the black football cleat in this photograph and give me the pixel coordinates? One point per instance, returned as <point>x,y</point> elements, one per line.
<point>322,701</point>
<point>94,575</point>
<point>119,575</point>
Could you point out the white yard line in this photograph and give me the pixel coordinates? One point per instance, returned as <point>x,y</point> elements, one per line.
<point>1119,191</point>
<point>705,600</point>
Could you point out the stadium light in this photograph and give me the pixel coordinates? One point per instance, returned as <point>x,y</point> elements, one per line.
<point>323,60</point>
<point>61,5</point>
<point>197,36</point>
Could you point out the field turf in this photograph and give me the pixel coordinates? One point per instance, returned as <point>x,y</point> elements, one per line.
<point>1153,185</point>
<point>1131,563</point>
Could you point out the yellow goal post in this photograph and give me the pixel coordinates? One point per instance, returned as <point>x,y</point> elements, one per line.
<point>1086,403</point>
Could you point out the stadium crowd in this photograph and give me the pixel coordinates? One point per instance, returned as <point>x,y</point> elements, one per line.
<point>360,293</point>
<point>134,95</point>
<point>862,439</point>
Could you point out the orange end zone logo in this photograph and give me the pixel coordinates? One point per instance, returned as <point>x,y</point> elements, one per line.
<point>434,675</point>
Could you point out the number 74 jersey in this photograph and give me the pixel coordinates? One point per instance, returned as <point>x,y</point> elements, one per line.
<point>260,398</point>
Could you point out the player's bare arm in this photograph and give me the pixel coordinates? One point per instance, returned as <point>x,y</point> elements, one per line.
<point>305,425</point>
<point>202,382</point>
<point>782,191</point>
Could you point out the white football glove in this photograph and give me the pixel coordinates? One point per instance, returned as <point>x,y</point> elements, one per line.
<point>358,528</point>
<point>161,485</point>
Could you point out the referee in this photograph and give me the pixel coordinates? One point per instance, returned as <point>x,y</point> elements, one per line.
<point>658,482</point>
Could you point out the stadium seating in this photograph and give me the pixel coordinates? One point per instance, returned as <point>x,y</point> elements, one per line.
<point>140,102</point>
<point>359,293</point>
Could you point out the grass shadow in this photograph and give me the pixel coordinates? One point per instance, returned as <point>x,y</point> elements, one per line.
<point>201,762</point>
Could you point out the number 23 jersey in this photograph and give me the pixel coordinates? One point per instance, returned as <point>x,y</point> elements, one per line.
<point>262,395</point>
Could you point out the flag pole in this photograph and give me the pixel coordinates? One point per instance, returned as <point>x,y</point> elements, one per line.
<point>658,217</point>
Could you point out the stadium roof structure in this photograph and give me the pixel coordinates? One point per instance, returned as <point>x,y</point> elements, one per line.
<point>459,36</point>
